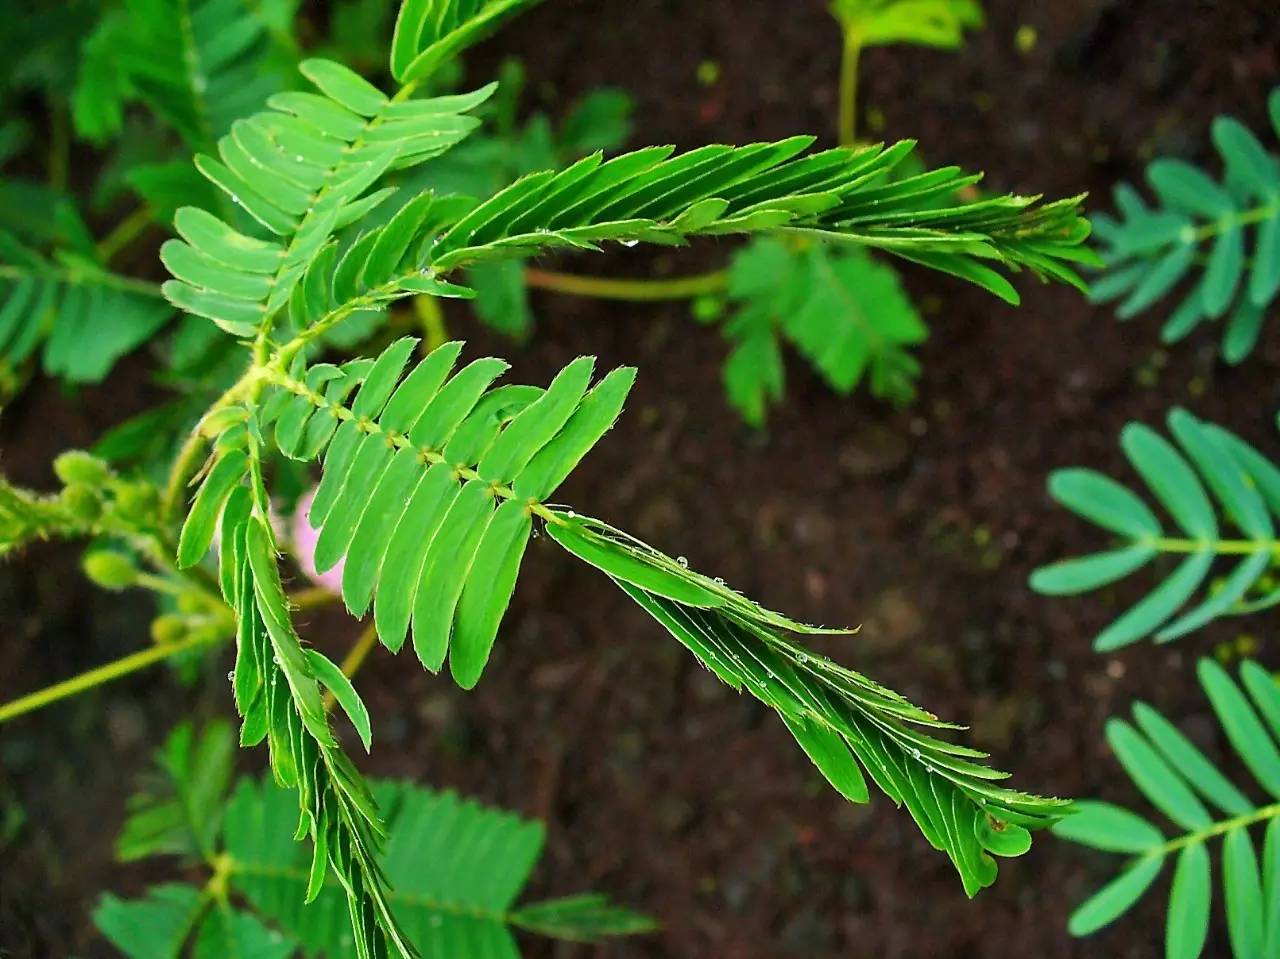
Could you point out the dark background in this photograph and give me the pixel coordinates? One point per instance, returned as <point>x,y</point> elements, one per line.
<point>660,786</point>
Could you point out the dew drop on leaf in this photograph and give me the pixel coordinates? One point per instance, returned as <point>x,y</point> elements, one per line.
<point>682,561</point>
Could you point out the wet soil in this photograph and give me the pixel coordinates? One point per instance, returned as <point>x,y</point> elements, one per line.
<point>660,786</point>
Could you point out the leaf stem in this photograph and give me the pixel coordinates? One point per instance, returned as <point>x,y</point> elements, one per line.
<point>273,374</point>
<point>104,674</point>
<point>193,447</point>
<point>355,658</point>
<point>1260,814</point>
<point>1233,220</point>
<point>849,87</point>
<point>124,233</point>
<point>1223,547</point>
<point>635,291</point>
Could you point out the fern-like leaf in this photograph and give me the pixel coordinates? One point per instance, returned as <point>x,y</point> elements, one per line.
<point>180,812</point>
<point>934,23</point>
<point>846,313</point>
<point>81,316</point>
<point>1196,240</point>
<point>430,489</point>
<point>841,194</point>
<point>198,64</point>
<point>429,33</point>
<point>1213,465</point>
<point>455,870</point>
<point>303,171</point>
<point>1203,804</point>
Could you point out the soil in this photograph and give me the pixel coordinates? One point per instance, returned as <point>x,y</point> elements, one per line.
<point>661,787</point>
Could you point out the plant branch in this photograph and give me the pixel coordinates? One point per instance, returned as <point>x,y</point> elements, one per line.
<point>124,233</point>
<point>848,124</point>
<point>636,291</point>
<point>104,674</point>
<point>1261,814</point>
<point>355,658</point>
<point>1223,547</point>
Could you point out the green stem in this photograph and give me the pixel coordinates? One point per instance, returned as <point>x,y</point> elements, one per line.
<point>102,674</point>
<point>636,291</point>
<point>125,232</point>
<point>1223,547</point>
<point>849,88</point>
<point>397,440</point>
<point>1217,829</point>
<point>79,277</point>
<point>1233,220</point>
<point>59,146</point>
<point>188,458</point>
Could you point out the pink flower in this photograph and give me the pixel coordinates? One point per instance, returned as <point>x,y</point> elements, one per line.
<point>305,537</point>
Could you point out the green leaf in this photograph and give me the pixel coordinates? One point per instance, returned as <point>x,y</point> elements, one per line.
<point>230,932</point>
<point>1090,572</point>
<point>1182,755</point>
<point>1103,501</point>
<point>155,927</point>
<point>456,869</point>
<point>488,591</point>
<point>1187,925</point>
<point>180,811</point>
<point>1171,479</point>
<point>830,754</point>
<point>1158,605</point>
<point>1108,827</point>
<point>628,564</point>
<point>1114,899</point>
<point>198,529</point>
<point>1156,778</point>
<point>1247,734</point>
<point>344,87</point>
<point>1243,890</point>
<point>1222,276</point>
<point>934,23</point>
<point>431,32</point>
<point>1188,189</point>
<point>333,678</point>
<point>584,918</point>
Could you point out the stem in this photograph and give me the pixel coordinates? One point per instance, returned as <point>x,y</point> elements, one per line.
<point>849,88</point>
<point>102,674</point>
<point>81,277</point>
<point>1223,547</point>
<point>59,142</point>
<point>355,658</point>
<point>636,291</point>
<point>125,232</point>
<point>1217,829</point>
<point>272,374</point>
<point>1232,220</point>
<point>193,447</point>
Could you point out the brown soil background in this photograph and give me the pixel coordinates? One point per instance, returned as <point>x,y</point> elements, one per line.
<point>661,787</point>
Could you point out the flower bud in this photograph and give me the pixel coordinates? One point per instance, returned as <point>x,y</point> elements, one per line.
<point>77,466</point>
<point>168,628</point>
<point>110,569</point>
<point>82,502</point>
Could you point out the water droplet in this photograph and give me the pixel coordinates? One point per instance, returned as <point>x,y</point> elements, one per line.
<point>570,513</point>
<point>682,561</point>
<point>915,753</point>
<point>231,675</point>
<point>802,657</point>
<point>719,581</point>
<point>298,158</point>
<point>630,243</point>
